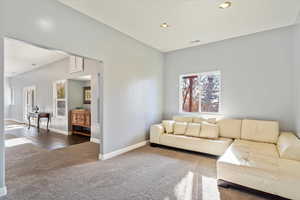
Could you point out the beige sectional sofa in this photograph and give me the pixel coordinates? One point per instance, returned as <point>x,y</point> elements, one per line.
<point>253,153</point>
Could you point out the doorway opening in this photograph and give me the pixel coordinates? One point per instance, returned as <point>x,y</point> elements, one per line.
<point>43,88</point>
<point>79,103</point>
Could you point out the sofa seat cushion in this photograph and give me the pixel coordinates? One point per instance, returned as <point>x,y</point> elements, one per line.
<point>210,146</point>
<point>260,131</point>
<point>254,148</point>
<point>289,179</point>
<point>251,164</point>
<point>230,128</point>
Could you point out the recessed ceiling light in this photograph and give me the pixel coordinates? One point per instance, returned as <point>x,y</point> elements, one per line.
<point>225,4</point>
<point>164,25</point>
<point>195,41</point>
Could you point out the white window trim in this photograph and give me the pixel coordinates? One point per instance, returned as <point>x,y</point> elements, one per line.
<point>199,112</point>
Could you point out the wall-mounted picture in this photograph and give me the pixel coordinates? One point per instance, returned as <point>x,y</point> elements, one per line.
<point>87,96</point>
<point>60,89</point>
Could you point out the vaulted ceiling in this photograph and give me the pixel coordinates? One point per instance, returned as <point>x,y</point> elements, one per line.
<point>200,21</point>
<point>21,57</point>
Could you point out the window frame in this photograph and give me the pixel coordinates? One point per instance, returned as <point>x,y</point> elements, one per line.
<point>199,74</point>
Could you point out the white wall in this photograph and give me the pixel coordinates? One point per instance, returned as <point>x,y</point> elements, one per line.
<point>132,71</point>
<point>256,75</point>
<point>75,94</point>
<point>296,72</point>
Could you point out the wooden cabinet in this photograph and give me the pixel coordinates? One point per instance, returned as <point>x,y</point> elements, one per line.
<point>81,122</point>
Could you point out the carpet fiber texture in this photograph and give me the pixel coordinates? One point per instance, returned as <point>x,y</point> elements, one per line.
<point>73,173</point>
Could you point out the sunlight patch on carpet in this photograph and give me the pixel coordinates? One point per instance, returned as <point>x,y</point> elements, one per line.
<point>183,190</point>
<point>210,189</point>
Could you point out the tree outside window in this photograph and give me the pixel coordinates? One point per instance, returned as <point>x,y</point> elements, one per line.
<point>200,92</point>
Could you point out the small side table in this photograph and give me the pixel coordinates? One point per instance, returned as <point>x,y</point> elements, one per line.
<point>38,116</point>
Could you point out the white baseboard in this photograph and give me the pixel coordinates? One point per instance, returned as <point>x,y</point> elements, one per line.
<point>56,130</point>
<point>3,191</point>
<point>59,131</point>
<point>121,151</point>
<point>95,140</point>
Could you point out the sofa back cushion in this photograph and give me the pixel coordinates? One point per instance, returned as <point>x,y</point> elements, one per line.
<point>260,131</point>
<point>201,119</point>
<point>209,130</point>
<point>230,128</point>
<point>180,128</point>
<point>182,119</point>
<point>193,129</point>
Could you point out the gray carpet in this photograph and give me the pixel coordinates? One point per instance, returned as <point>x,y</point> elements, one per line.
<point>146,173</point>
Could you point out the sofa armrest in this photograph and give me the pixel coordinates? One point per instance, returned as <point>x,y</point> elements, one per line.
<point>155,131</point>
<point>289,146</point>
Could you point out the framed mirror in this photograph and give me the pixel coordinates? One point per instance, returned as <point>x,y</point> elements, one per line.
<point>87,95</point>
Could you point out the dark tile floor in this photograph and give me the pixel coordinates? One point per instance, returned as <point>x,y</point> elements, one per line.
<point>43,139</point>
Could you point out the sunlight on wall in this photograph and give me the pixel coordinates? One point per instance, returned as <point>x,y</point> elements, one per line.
<point>210,189</point>
<point>16,142</point>
<point>183,190</point>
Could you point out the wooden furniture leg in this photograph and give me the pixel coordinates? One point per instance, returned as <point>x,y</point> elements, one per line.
<point>28,117</point>
<point>48,123</point>
<point>38,123</point>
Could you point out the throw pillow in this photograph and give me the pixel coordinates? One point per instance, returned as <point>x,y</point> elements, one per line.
<point>209,130</point>
<point>179,128</point>
<point>168,126</point>
<point>193,129</point>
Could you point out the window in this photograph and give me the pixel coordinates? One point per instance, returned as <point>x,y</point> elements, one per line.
<point>200,92</point>
<point>60,98</point>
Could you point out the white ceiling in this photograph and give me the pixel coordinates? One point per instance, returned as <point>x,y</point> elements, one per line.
<point>20,57</point>
<point>188,19</point>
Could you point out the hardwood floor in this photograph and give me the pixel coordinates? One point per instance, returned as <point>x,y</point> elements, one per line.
<point>43,139</point>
